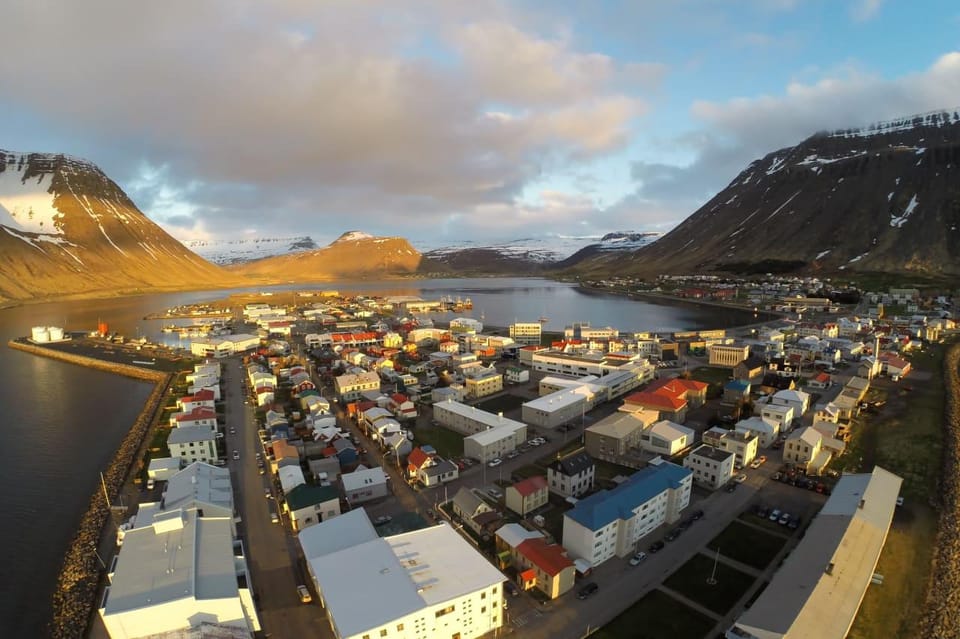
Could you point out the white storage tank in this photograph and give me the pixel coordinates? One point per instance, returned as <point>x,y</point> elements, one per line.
<point>40,334</point>
<point>56,333</point>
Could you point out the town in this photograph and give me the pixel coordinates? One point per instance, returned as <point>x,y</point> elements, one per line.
<point>343,467</point>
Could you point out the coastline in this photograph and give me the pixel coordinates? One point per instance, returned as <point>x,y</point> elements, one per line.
<point>74,598</point>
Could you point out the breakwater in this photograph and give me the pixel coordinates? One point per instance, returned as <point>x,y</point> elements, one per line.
<point>74,600</point>
<point>939,620</point>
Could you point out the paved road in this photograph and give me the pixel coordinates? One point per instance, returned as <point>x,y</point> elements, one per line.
<point>272,553</point>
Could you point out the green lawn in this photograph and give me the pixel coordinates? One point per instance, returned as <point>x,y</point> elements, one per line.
<point>502,403</point>
<point>447,442</point>
<point>747,545</point>
<point>691,581</point>
<point>606,471</point>
<point>657,616</point>
<point>711,375</point>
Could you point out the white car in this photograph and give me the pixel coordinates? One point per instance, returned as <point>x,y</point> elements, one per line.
<point>236,454</point>
<point>493,463</point>
<point>637,558</point>
<point>740,478</point>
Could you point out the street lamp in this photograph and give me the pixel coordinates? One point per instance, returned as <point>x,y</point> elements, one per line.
<point>712,579</point>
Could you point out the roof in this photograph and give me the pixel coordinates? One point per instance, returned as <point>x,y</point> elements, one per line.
<point>402,574</point>
<point>201,482</point>
<point>661,402</point>
<point>818,589</point>
<point>467,501</point>
<point>530,485</point>
<point>572,464</point>
<point>441,467</point>
<point>495,434</point>
<point>360,478</point>
<point>329,536</point>
<point>148,574</point>
<point>822,377</point>
<point>599,509</point>
<point>807,434</point>
<point>709,452</point>
<point>417,457</point>
<point>475,414</point>
<point>306,495</point>
<point>791,396</point>
<point>565,397</point>
<point>758,424</point>
<point>200,412</point>
<point>738,385</point>
<point>514,534</point>
<point>551,558</point>
<point>187,434</point>
<point>621,424</point>
<point>671,431</point>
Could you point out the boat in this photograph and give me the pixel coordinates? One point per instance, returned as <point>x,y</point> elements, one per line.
<point>170,328</point>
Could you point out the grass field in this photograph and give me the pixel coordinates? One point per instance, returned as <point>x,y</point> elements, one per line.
<point>747,545</point>
<point>656,616</point>
<point>906,439</point>
<point>502,403</point>
<point>691,581</point>
<point>711,375</point>
<point>447,442</point>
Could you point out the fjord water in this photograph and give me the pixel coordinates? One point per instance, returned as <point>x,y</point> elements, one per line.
<point>62,423</point>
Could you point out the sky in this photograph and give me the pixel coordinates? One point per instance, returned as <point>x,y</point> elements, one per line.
<point>445,121</point>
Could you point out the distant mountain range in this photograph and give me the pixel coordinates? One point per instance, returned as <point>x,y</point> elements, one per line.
<point>226,252</point>
<point>67,229</point>
<point>884,198</point>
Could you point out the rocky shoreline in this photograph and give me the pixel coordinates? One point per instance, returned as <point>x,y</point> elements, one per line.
<point>939,620</point>
<point>74,600</point>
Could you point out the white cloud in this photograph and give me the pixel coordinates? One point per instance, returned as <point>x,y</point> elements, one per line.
<point>863,10</point>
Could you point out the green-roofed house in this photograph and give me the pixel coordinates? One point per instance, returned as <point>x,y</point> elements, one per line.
<point>309,505</point>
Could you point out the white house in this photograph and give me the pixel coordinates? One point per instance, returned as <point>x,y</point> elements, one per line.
<point>666,438</point>
<point>795,399</point>
<point>193,444</point>
<point>611,522</point>
<point>782,415</point>
<point>571,476</point>
<point>766,430</point>
<point>364,485</point>
<point>350,386</point>
<point>495,442</point>
<point>711,467</point>
<point>309,505</point>
<point>742,444</point>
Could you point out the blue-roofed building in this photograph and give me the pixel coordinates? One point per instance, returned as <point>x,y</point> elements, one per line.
<point>736,390</point>
<point>611,522</point>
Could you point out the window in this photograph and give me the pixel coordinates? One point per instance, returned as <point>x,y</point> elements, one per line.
<point>383,633</point>
<point>483,610</point>
<point>483,595</point>
<point>445,611</point>
<point>399,627</point>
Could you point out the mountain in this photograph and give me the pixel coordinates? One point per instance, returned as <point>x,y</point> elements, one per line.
<point>248,249</point>
<point>353,254</point>
<point>533,254</point>
<point>66,228</point>
<point>611,247</point>
<point>885,198</point>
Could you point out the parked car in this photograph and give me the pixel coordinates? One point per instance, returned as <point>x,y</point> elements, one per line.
<point>696,515</point>
<point>755,464</point>
<point>656,546</point>
<point>513,454</point>
<point>493,463</point>
<point>740,478</point>
<point>775,514</point>
<point>511,588</point>
<point>267,493</point>
<point>304,593</point>
<point>794,523</point>
<point>731,486</point>
<point>236,454</point>
<point>382,519</point>
<point>637,558</point>
<point>784,519</point>
<point>763,511</point>
<point>673,534</point>
<point>150,484</point>
<point>588,590</point>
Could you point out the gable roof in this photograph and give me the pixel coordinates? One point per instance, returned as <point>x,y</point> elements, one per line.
<point>467,501</point>
<point>514,534</point>
<point>808,435</point>
<point>530,485</point>
<point>305,495</point>
<point>551,558</point>
<point>417,457</point>
<point>572,464</point>
<point>665,402</point>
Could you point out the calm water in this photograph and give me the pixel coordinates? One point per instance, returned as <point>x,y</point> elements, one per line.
<point>62,423</point>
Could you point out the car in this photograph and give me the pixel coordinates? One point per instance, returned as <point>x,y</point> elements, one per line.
<point>762,459</point>
<point>763,511</point>
<point>263,470</point>
<point>673,534</point>
<point>267,493</point>
<point>776,476</point>
<point>586,591</point>
<point>513,454</point>
<point>755,464</point>
<point>233,431</point>
<point>236,454</point>
<point>150,484</point>
<point>259,456</point>
<point>511,588</point>
<point>794,523</point>
<point>460,465</point>
<point>533,442</point>
<point>495,493</point>
<point>784,519</point>
<point>493,463</point>
<point>382,519</point>
<point>696,515</point>
<point>685,523</point>
<point>637,558</point>
<point>656,546</point>
<point>732,486</point>
<point>304,593</point>
<point>774,514</point>
<point>740,478</point>
<point>274,517</point>
<point>219,435</point>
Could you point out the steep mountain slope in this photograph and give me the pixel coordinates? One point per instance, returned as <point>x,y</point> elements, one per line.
<point>881,199</point>
<point>248,249</point>
<point>611,247</point>
<point>353,254</point>
<point>66,228</point>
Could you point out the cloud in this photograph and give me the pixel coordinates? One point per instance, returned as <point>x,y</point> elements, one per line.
<point>738,131</point>
<point>863,10</point>
<point>299,115</point>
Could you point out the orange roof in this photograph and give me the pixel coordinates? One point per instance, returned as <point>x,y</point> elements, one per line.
<point>200,412</point>
<point>530,485</point>
<point>550,558</point>
<point>822,378</point>
<point>656,400</point>
<point>399,398</point>
<point>528,575</point>
<point>417,457</point>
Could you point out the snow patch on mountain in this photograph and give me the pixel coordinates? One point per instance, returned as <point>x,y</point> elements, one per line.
<point>247,249</point>
<point>546,250</point>
<point>355,236</point>
<point>26,204</point>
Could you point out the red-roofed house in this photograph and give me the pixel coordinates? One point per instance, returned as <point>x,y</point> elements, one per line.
<point>197,417</point>
<point>201,399</point>
<point>416,460</point>
<point>527,495</point>
<point>892,364</point>
<point>401,406</point>
<point>670,397</point>
<point>553,571</point>
<point>820,380</point>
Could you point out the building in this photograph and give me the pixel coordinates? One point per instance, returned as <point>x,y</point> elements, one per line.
<point>779,414</point>
<point>544,566</point>
<point>193,444</point>
<point>670,397</point>
<point>666,438</point>
<point>351,386</point>
<point>711,467</point>
<point>481,382</point>
<point>797,400</point>
<point>727,355</point>
<point>526,496</point>
<point>223,346</point>
<point>467,505</point>
<point>818,589</point>
<point>742,444</point>
<point>200,416</point>
<point>557,362</point>
<point>437,471</point>
<point>571,476</point>
<point>614,436</point>
<point>426,583</point>
<point>364,485</point>
<point>736,391</point>
<point>308,505</point>
<point>182,573</point>
<point>811,450</point>
<point>517,375</point>
<point>611,522</point>
<point>563,406</point>
<point>495,442</point>
<point>766,430</point>
<point>750,370</point>
<point>526,332</point>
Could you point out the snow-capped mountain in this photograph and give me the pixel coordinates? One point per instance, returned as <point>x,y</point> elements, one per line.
<point>66,228</point>
<point>248,249</point>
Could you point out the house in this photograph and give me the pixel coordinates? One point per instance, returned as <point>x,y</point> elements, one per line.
<point>481,382</point>
<point>795,399</point>
<point>193,444</point>
<point>506,540</point>
<point>750,369</point>
<point>811,450</point>
<point>893,365</point>
<point>203,398</point>
<point>364,485</point>
<point>544,566</point>
<point>727,355</point>
<point>308,505</point>
<point>467,505</point>
<point>437,471</point>
<point>766,430</point>
<point>711,467</point>
<point>401,407</point>
<point>526,496</point>
<point>162,468</point>
<point>670,397</point>
<point>820,381</point>
<point>290,476</point>
<point>783,416</point>
<point>611,522</point>
<point>666,438</point>
<point>200,416</point>
<point>351,386</point>
<point>736,391</point>
<point>417,458</point>
<point>614,436</point>
<point>571,476</point>
<point>742,444</point>
<point>495,442</point>
<point>517,375</point>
